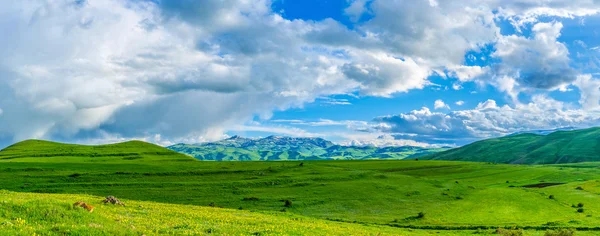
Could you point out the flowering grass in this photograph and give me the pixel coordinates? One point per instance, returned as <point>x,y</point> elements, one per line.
<point>53,214</point>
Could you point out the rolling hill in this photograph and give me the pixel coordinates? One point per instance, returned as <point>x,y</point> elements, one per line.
<point>275,148</point>
<point>130,150</point>
<point>170,193</point>
<point>558,147</point>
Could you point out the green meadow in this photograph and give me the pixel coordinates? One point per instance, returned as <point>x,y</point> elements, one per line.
<point>170,193</point>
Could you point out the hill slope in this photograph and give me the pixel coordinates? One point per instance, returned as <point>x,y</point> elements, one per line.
<point>557,147</point>
<point>130,150</point>
<point>52,214</point>
<point>275,148</point>
<point>452,195</point>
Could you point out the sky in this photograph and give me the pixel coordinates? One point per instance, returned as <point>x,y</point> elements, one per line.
<point>357,72</point>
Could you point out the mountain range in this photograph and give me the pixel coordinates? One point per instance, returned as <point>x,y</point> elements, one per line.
<point>274,148</point>
<point>571,146</point>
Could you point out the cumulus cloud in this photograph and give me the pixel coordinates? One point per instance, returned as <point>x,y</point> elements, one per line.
<point>486,120</point>
<point>589,88</point>
<point>467,73</point>
<point>382,75</point>
<point>190,70</point>
<point>539,62</point>
<point>439,104</point>
<point>356,9</point>
<point>164,75</point>
<point>460,103</point>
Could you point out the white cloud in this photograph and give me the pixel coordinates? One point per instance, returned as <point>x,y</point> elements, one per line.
<point>334,101</point>
<point>380,74</point>
<point>589,88</point>
<point>439,104</point>
<point>460,103</point>
<point>486,120</point>
<point>468,73</point>
<point>538,62</point>
<point>166,61</point>
<point>356,9</point>
<point>522,12</point>
<point>457,86</point>
<point>191,69</point>
<point>384,140</point>
<point>282,130</point>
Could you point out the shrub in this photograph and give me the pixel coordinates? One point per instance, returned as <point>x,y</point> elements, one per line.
<point>580,205</point>
<point>579,188</point>
<point>560,232</point>
<point>288,203</point>
<point>551,197</point>
<point>459,198</point>
<point>250,199</point>
<point>580,210</point>
<point>75,175</point>
<point>212,204</point>
<point>509,232</point>
<point>421,215</point>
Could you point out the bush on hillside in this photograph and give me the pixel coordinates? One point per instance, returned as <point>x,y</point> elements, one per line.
<point>579,188</point>
<point>551,197</point>
<point>421,215</point>
<point>560,232</point>
<point>580,205</point>
<point>509,232</point>
<point>288,203</point>
<point>580,210</point>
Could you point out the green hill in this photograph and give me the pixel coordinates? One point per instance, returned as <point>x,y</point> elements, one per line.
<point>276,148</point>
<point>358,197</point>
<point>554,148</point>
<point>56,152</point>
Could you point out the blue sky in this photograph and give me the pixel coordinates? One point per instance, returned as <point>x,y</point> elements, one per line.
<point>362,72</point>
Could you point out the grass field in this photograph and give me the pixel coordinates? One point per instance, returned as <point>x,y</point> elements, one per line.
<point>573,146</point>
<point>364,196</point>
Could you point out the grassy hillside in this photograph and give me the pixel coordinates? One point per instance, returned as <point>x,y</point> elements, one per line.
<point>412,195</point>
<point>31,214</point>
<point>558,147</point>
<point>36,150</point>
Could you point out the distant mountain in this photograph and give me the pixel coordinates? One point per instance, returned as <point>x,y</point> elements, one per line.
<point>557,147</point>
<point>275,148</point>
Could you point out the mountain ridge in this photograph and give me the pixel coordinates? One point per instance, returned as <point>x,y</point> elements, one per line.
<point>272,148</point>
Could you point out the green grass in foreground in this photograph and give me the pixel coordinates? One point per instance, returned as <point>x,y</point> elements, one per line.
<point>453,195</point>
<point>30,214</point>
<point>53,214</point>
